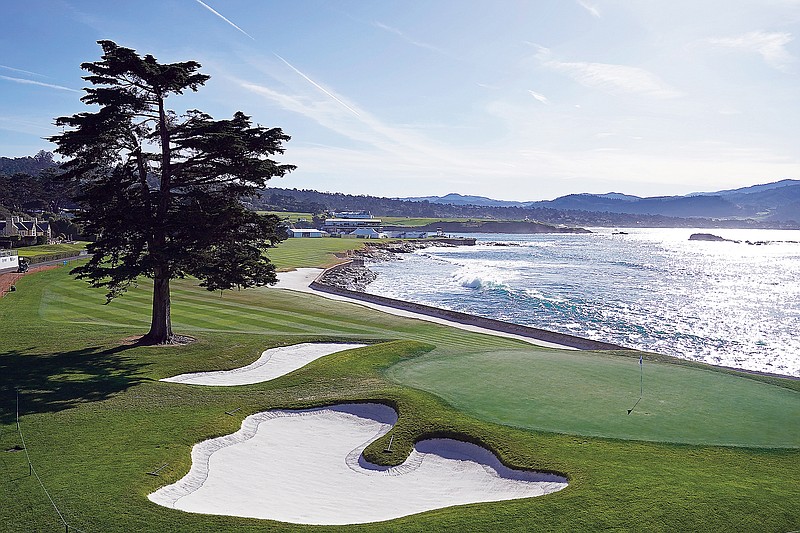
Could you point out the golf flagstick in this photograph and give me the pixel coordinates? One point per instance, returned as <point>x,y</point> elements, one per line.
<point>641,386</point>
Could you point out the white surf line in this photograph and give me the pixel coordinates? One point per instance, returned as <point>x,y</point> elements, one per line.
<point>273,363</point>
<point>299,467</point>
<point>300,279</point>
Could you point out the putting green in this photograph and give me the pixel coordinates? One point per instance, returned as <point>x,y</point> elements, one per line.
<point>590,394</point>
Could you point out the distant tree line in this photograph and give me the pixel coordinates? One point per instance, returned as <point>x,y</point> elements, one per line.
<point>310,201</point>
<point>29,186</point>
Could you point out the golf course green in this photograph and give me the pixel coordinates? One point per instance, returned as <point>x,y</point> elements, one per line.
<point>704,450</point>
<point>588,393</point>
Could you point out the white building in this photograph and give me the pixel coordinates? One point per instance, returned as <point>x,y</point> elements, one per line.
<point>314,233</point>
<point>340,226</point>
<point>352,214</point>
<point>26,230</point>
<point>8,259</point>
<point>366,233</point>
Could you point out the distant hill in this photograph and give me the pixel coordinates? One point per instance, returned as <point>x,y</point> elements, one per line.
<point>748,190</point>
<point>460,199</point>
<point>774,202</point>
<point>32,165</point>
<point>315,202</point>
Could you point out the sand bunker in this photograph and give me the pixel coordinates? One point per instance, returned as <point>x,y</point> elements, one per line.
<point>272,364</point>
<point>305,467</point>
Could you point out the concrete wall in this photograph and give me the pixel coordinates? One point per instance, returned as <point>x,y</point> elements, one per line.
<point>464,318</point>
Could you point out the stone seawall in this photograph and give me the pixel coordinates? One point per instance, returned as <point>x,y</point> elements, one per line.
<point>463,318</point>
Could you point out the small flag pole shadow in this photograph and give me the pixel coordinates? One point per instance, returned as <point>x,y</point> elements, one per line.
<point>634,405</point>
<point>641,386</point>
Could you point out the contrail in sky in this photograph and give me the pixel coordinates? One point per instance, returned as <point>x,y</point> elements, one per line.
<point>31,82</point>
<point>317,85</point>
<point>22,71</point>
<point>217,13</point>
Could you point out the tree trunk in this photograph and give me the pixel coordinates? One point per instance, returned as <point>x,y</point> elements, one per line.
<point>161,323</point>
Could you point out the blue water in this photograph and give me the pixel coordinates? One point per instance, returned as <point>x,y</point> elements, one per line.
<point>722,303</point>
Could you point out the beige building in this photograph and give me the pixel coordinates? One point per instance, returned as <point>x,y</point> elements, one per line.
<point>27,230</point>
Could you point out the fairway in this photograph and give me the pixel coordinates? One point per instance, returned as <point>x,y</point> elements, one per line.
<point>96,419</point>
<point>590,394</point>
<point>496,379</point>
<point>310,252</point>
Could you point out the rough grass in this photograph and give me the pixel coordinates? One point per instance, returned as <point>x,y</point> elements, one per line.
<point>289,216</point>
<point>48,249</point>
<point>96,419</point>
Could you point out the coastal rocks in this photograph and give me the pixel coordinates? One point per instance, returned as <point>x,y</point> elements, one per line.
<point>355,276</point>
<point>392,251</point>
<point>708,237</point>
<point>351,277</point>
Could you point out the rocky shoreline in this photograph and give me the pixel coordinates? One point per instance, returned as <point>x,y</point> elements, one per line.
<point>356,276</point>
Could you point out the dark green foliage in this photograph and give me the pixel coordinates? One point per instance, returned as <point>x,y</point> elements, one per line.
<point>162,192</point>
<point>32,165</point>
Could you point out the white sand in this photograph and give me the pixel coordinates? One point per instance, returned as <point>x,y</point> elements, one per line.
<point>300,279</point>
<point>272,364</point>
<point>306,467</point>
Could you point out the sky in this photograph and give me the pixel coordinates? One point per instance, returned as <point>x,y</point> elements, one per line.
<point>514,100</point>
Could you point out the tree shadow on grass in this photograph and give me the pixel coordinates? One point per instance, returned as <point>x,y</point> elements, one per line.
<point>52,382</point>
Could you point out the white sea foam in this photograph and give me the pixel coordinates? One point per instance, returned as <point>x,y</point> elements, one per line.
<point>480,276</point>
<point>724,303</point>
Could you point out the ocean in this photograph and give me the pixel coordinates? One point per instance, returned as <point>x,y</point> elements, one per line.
<point>723,303</point>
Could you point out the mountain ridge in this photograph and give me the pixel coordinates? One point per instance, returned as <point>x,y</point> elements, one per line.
<point>776,201</point>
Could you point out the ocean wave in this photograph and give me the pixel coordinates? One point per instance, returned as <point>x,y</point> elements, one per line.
<point>736,306</point>
<point>479,278</point>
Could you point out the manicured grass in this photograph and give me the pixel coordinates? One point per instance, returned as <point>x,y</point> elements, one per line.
<point>310,252</point>
<point>47,249</point>
<point>96,420</point>
<point>589,394</point>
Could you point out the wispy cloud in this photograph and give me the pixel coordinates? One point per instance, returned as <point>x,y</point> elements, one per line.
<point>217,13</point>
<point>406,38</point>
<point>38,126</point>
<point>609,77</point>
<point>770,46</point>
<point>5,67</point>
<point>38,83</point>
<point>540,97</point>
<point>590,8</point>
<point>318,86</point>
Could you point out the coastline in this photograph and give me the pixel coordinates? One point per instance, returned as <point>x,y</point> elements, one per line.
<point>302,279</point>
<point>322,284</point>
<point>308,280</point>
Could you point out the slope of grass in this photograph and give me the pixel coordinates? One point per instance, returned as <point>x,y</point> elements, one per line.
<point>309,252</point>
<point>96,420</point>
<point>48,249</point>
